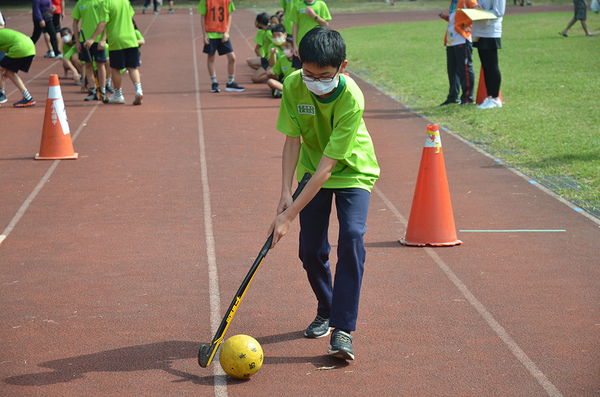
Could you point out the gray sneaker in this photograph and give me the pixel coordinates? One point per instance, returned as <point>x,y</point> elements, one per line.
<point>318,328</point>
<point>340,345</point>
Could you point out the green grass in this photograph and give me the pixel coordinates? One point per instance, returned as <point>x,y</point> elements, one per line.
<point>549,127</point>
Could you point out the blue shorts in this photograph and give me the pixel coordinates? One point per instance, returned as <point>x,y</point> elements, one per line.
<point>98,55</point>
<point>218,45</point>
<point>125,58</point>
<point>16,64</point>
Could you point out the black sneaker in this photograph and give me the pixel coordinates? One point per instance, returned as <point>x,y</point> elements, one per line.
<point>215,87</point>
<point>3,98</point>
<point>318,328</point>
<point>277,94</point>
<point>340,345</point>
<point>109,87</point>
<point>447,102</point>
<point>234,87</point>
<point>93,95</point>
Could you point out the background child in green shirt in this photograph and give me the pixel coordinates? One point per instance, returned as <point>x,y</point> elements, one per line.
<point>20,51</point>
<point>272,53</point>
<point>307,15</point>
<point>326,136</point>
<point>215,29</point>
<point>282,69</point>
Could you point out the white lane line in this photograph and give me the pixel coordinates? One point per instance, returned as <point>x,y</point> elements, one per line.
<point>220,387</point>
<point>550,389</point>
<point>21,211</point>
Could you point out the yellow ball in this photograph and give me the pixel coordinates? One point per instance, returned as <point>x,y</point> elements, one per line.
<point>241,356</point>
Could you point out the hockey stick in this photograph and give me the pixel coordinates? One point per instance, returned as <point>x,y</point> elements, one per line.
<point>206,353</point>
<point>101,96</point>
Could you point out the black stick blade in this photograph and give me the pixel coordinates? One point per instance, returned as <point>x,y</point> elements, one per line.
<point>204,356</point>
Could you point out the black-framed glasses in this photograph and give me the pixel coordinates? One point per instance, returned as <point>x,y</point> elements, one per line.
<point>309,79</point>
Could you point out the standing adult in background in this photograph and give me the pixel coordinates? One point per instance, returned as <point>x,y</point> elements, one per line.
<point>580,15</point>
<point>459,53</point>
<point>486,38</point>
<point>42,22</point>
<point>58,13</point>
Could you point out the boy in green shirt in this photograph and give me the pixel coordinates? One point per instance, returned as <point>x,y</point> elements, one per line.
<point>282,69</point>
<point>116,16</point>
<point>20,51</point>
<point>272,52</point>
<point>307,15</point>
<point>86,17</point>
<point>326,136</point>
<point>215,29</point>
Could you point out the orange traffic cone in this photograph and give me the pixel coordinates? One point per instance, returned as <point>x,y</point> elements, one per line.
<point>431,222</point>
<point>56,136</point>
<point>482,91</point>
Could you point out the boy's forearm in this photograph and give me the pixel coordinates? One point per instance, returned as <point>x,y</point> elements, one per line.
<point>97,32</point>
<point>322,22</point>
<point>295,34</point>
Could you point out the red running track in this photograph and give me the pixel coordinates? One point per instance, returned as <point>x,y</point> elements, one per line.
<point>105,285</point>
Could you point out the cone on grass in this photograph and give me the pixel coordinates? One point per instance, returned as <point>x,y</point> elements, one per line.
<point>482,90</point>
<point>56,136</point>
<point>431,222</point>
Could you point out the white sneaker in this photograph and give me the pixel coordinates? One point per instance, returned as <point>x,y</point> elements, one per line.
<point>117,99</point>
<point>483,104</point>
<point>139,96</point>
<point>490,104</point>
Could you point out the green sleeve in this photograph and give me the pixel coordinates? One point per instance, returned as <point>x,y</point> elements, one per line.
<point>231,7</point>
<point>324,11</point>
<point>138,35</point>
<point>287,121</point>
<point>260,37</point>
<point>202,7</point>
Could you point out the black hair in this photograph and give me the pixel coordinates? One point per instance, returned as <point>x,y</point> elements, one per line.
<point>263,18</point>
<point>278,28</point>
<point>276,17</point>
<point>65,31</point>
<point>323,47</point>
<point>290,40</point>
<point>279,14</point>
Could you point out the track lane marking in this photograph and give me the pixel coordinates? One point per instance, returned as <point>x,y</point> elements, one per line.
<point>550,389</point>
<point>220,379</point>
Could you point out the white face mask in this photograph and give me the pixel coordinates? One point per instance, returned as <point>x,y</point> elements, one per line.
<point>66,38</point>
<point>320,88</point>
<point>287,52</point>
<point>279,40</point>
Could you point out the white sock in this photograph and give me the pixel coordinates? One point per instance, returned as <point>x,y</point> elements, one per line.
<point>231,79</point>
<point>118,92</point>
<point>27,95</point>
<point>138,88</point>
<point>213,79</point>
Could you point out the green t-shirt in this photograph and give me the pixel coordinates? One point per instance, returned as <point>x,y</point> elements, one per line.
<point>264,38</point>
<point>277,55</point>
<point>333,127</point>
<point>202,10</point>
<point>288,6</point>
<point>16,44</point>
<point>283,66</point>
<point>87,11</point>
<point>306,23</point>
<point>120,32</point>
<point>69,50</point>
